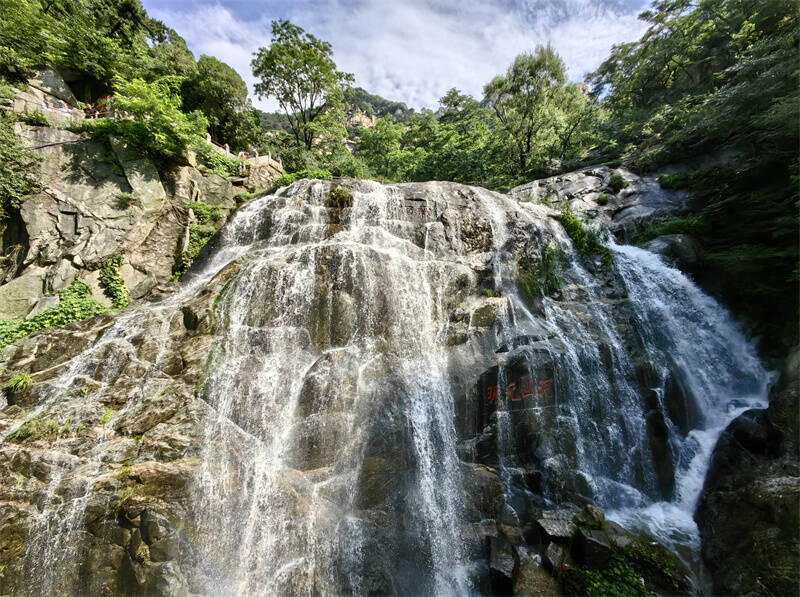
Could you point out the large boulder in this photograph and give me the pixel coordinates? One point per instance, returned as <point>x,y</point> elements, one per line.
<point>748,515</point>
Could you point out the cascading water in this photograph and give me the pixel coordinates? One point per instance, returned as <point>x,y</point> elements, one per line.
<point>346,343</point>
<point>687,332</point>
<point>322,333</point>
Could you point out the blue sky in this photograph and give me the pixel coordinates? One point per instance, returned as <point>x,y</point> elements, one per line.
<point>411,50</point>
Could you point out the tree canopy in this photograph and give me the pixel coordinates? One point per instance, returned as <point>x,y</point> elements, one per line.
<point>298,70</point>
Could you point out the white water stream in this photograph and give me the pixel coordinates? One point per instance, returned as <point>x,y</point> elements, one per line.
<point>331,362</point>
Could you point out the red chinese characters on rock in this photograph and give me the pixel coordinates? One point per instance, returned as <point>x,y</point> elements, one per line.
<point>526,388</point>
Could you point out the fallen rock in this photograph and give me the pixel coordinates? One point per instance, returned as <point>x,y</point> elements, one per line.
<point>534,580</point>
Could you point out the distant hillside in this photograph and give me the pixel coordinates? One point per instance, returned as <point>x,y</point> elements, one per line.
<point>359,99</point>
<point>273,121</point>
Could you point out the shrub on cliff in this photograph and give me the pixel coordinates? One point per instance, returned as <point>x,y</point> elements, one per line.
<point>149,116</point>
<point>16,162</point>
<point>75,303</point>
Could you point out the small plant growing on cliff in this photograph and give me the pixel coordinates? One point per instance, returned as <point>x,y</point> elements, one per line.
<point>126,200</point>
<point>18,382</point>
<point>242,197</point>
<point>674,181</point>
<point>219,164</point>
<point>541,277</point>
<point>339,198</point>
<point>586,240</point>
<point>617,183</point>
<point>204,212</point>
<point>106,417</point>
<point>602,199</point>
<point>75,303</point>
<point>35,119</point>
<point>287,179</point>
<point>112,284</point>
<point>35,428</point>
<point>617,578</point>
<point>16,168</point>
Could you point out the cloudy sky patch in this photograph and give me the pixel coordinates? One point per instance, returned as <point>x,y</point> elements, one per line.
<point>411,50</point>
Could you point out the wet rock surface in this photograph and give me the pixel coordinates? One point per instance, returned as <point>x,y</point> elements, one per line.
<point>748,510</point>
<point>381,397</point>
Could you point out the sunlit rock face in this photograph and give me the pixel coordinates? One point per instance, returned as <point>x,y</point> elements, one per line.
<point>376,390</point>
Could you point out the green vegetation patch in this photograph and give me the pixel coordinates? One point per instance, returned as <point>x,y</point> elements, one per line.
<point>617,183</point>
<point>287,179</point>
<point>672,182</point>
<point>112,284</point>
<point>153,120</point>
<point>75,303</point>
<point>199,235</point>
<point>205,213</point>
<point>339,198</point>
<point>586,240</point>
<point>602,199</point>
<point>537,277</point>
<point>35,428</point>
<point>618,579</point>
<point>692,225</point>
<point>18,382</point>
<point>35,119</point>
<point>242,197</point>
<point>218,163</point>
<point>16,168</point>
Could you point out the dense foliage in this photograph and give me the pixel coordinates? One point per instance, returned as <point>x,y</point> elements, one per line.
<point>149,116</point>
<point>112,284</point>
<point>216,90</point>
<point>298,70</point>
<point>539,111</point>
<point>714,84</point>
<point>100,43</point>
<point>16,175</point>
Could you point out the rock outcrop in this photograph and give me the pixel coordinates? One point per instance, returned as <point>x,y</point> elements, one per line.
<point>363,380</point>
<point>748,512</point>
<point>641,202</point>
<point>98,201</point>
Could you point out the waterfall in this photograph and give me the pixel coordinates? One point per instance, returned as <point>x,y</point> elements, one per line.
<point>331,442</point>
<point>688,331</point>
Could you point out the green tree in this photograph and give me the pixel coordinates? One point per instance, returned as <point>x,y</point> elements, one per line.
<point>531,101</point>
<point>298,70</point>
<point>16,173</point>
<point>219,92</point>
<point>718,78</point>
<point>151,117</point>
<point>379,143</point>
<point>166,54</point>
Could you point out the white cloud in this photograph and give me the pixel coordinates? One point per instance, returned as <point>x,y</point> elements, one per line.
<point>415,50</point>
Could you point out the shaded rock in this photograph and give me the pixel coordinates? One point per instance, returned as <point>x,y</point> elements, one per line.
<point>750,498</point>
<point>556,525</point>
<point>533,580</point>
<point>554,556</point>
<point>591,549</point>
<point>591,517</point>
<point>503,565</point>
<point>680,247</point>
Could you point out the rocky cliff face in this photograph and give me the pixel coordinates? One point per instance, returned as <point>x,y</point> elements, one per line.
<point>748,512</point>
<point>365,388</point>
<point>97,202</point>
